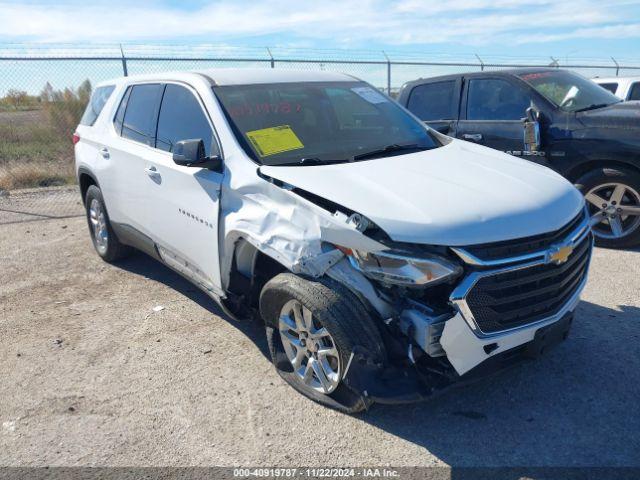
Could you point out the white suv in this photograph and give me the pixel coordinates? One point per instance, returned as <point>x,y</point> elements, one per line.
<point>387,261</point>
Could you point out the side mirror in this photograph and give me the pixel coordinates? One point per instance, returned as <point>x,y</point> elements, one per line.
<point>191,153</point>
<point>532,140</point>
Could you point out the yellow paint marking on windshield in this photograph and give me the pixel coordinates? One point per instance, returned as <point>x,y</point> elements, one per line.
<point>270,141</point>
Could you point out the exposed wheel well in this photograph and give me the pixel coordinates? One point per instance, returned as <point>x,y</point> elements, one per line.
<point>250,271</point>
<point>85,180</point>
<point>580,170</point>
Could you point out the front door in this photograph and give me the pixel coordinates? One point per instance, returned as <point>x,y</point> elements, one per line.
<point>185,200</point>
<point>493,109</point>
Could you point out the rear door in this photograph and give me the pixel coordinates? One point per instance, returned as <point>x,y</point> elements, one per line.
<point>492,113</point>
<point>436,104</point>
<point>184,201</point>
<point>134,137</point>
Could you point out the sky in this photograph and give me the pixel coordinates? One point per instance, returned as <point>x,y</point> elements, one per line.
<point>568,30</point>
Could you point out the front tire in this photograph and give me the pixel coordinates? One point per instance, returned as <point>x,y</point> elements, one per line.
<point>313,327</point>
<point>613,198</point>
<point>104,239</point>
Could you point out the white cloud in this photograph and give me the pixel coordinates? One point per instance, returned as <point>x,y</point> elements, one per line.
<point>347,22</point>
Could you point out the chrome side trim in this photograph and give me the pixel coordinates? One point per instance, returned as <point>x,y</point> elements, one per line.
<point>572,239</point>
<point>459,294</point>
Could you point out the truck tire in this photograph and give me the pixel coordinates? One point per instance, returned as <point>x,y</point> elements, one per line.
<point>103,237</point>
<point>613,195</point>
<point>313,326</point>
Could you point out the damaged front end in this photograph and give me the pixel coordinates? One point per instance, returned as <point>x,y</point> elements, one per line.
<point>413,292</point>
<point>482,317</point>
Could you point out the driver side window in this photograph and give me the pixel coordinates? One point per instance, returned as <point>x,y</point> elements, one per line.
<point>495,99</point>
<point>182,118</point>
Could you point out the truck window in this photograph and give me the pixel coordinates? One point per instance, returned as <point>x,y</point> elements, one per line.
<point>139,123</point>
<point>181,118</point>
<point>634,93</point>
<point>612,87</point>
<point>495,99</point>
<point>96,104</point>
<point>433,101</point>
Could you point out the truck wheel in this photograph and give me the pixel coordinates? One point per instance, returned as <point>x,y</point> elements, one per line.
<point>613,197</point>
<point>104,239</point>
<point>313,327</point>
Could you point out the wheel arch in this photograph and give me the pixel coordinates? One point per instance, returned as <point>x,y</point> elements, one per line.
<point>585,167</point>
<point>86,178</point>
<point>248,270</point>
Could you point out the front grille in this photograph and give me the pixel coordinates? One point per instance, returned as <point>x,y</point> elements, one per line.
<point>520,246</point>
<point>520,296</point>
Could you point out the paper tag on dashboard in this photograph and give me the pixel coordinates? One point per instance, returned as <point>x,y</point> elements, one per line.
<point>370,95</point>
<point>270,141</point>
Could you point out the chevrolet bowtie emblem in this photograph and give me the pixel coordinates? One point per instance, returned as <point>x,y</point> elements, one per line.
<point>559,254</point>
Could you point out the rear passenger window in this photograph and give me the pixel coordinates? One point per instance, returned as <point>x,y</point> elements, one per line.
<point>634,93</point>
<point>495,99</point>
<point>182,118</point>
<point>612,87</point>
<point>433,101</point>
<point>139,116</point>
<point>96,104</point>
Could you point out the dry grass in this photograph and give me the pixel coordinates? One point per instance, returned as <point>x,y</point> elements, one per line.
<point>32,152</point>
<point>30,175</point>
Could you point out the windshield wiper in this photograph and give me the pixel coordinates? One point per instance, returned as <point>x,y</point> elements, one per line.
<point>595,106</point>
<point>388,149</point>
<point>306,161</point>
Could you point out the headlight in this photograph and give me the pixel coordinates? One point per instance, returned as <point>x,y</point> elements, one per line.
<point>400,269</point>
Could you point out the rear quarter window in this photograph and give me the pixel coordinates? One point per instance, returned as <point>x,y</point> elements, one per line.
<point>634,93</point>
<point>96,104</point>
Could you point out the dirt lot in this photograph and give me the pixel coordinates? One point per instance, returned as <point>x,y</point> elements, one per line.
<point>92,375</point>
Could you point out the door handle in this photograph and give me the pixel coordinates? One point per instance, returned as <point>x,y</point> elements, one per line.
<point>152,171</point>
<point>104,152</point>
<point>474,137</point>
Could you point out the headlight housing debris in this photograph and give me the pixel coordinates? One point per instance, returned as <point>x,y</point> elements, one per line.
<point>399,268</point>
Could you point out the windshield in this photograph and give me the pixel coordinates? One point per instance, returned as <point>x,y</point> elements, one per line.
<point>570,91</point>
<point>319,122</point>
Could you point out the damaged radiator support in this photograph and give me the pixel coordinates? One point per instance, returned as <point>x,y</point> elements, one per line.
<point>424,327</point>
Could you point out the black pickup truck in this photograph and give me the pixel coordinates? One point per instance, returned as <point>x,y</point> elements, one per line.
<point>556,118</point>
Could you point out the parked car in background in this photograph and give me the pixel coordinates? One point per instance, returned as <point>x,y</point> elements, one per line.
<point>626,88</point>
<point>553,117</point>
<point>386,260</point>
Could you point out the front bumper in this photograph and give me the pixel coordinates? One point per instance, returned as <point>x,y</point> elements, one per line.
<point>409,384</point>
<point>466,350</point>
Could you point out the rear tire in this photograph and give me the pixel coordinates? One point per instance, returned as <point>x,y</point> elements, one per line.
<point>329,307</point>
<point>103,237</point>
<point>613,196</point>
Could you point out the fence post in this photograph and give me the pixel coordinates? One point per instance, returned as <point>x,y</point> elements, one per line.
<point>617,66</point>
<point>388,73</point>
<point>481,62</point>
<point>124,62</point>
<point>273,62</point>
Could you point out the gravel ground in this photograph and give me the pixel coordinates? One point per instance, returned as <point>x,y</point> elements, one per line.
<point>92,375</point>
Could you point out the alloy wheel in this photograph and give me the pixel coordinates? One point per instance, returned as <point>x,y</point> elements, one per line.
<point>309,347</point>
<point>614,209</point>
<point>98,223</point>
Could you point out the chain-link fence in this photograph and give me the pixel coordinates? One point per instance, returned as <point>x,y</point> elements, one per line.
<point>43,91</point>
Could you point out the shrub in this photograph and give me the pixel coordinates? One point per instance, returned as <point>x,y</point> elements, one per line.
<point>64,108</point>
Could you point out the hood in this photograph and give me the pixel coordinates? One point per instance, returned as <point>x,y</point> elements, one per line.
<point>619,115</point>
<point>458,194</point>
